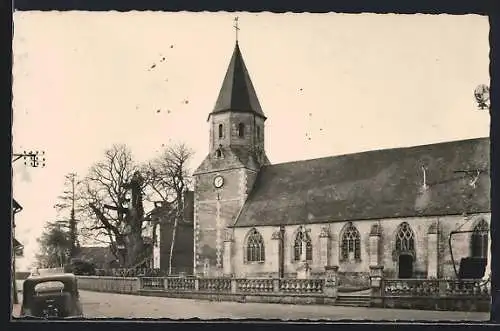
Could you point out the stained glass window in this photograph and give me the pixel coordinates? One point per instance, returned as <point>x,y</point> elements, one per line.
<point>255,247</point>
<point>351,243</point>
<point>405,239</point>
<point>297,247</point>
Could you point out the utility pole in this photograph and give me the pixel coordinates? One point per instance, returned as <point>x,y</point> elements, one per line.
<point>72,221</point>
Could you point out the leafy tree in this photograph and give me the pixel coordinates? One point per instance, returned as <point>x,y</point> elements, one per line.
<point>55,245</point>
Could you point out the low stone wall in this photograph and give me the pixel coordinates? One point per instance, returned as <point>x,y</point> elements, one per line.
<point>109,284</point>
<point>477,304</point>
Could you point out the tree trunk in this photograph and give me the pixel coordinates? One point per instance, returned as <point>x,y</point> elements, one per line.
<point>172,245</point>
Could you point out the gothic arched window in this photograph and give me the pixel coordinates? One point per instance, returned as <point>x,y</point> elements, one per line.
<point>255,247</point>
<point>351,244</point>
<point>221,131</point>
<point>241,130</point>
<point>297,247</point>
<point>405,239</point>
<point>479,240</point>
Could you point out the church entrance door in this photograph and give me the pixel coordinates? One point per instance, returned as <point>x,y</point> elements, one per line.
<point>405,266</point>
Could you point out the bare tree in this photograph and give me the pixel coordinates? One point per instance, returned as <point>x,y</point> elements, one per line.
<point>168,178</point>
<point>112,195</point>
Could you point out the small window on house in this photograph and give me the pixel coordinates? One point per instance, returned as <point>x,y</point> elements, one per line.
<point>302,237</point>
<point>479,240</point>
<point>255,247</point>
<point>221,131</point>
<point>350,244</point>
<point>241,130</point>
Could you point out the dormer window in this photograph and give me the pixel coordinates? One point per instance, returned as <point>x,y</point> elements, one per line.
<point>241,130</point>
<point>221,131</point>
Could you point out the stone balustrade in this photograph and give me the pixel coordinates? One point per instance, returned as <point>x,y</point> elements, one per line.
<point>214,285</point>
<point>179,284</point>
<point>447,294</point>
<point>302,286</point>
<point>254,285</point>
<point>152,283</point>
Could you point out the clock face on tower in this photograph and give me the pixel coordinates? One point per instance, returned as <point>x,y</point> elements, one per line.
<point>218,181</point>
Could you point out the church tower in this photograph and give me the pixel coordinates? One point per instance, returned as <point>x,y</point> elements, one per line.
<point>226,176</point>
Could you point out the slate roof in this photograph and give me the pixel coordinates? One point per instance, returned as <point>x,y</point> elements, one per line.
<point>237,92</point>
<point>372,185</point>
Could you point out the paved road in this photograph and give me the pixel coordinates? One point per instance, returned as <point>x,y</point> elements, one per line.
<point>97,304</point>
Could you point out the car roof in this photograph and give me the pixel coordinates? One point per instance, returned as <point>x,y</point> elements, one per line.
<point>50,277</point>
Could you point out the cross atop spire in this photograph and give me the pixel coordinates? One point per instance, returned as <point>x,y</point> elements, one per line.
<point>236,28</point>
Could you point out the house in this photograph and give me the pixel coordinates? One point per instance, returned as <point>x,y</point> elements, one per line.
<point>159,230</point>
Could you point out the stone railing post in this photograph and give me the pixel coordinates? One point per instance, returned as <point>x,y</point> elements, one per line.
<point>330,288</point>
<point>165,283</point>
<point>432,252</point>
<point>276,285</point>
<point>227,266</point>
<point>376,284</point>
<point>139,284</point>
<point>234,285</point>
<point>196,284</point>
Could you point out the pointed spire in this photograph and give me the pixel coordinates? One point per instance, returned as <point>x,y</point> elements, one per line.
<point>237,92</point>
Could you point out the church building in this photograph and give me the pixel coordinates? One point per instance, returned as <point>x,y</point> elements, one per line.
<point>413,212</point>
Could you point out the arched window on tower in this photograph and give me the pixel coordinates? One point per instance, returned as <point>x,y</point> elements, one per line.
<point>350,248</point>
<point>479,240</point>
<point>255,247</point>
<point>297,246</point>
<point>258,131</point>
<point>221,131</point>
<point>241,130</point>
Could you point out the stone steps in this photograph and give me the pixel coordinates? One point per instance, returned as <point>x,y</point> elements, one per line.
<point>353,301</point>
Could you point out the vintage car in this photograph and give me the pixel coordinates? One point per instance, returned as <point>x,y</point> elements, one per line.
<point>51,296</point>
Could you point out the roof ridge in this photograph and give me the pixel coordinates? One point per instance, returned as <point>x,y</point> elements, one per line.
<point>380,150</point>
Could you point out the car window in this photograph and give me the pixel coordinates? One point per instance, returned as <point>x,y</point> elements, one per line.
<point>49,286</point>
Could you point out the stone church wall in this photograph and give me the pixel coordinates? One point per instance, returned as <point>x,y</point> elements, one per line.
<point>209,234</point>
<point>358,271</point>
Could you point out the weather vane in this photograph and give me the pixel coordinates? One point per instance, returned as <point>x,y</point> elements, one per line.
<point>236,28</point>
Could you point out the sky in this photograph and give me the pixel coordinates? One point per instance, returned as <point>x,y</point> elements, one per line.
<point>329,84</point>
